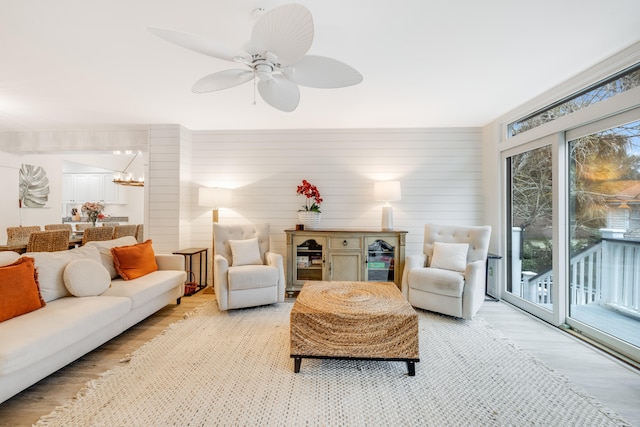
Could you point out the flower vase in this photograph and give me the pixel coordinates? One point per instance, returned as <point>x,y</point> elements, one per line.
<point>93,223</point>
<point>310,219</point>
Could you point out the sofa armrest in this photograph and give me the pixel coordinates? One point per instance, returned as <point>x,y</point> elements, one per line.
<point>410,262</point>
<point>170,262</point>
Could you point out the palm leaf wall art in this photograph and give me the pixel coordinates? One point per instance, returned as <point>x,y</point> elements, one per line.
<point>34,186</point>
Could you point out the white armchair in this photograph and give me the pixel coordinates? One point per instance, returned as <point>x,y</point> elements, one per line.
<point>245,272</point>
<point>449,277</point>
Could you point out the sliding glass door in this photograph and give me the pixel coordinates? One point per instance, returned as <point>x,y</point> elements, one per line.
<point>530,209</point>
<point>573,230</point>
<point>604,234</point>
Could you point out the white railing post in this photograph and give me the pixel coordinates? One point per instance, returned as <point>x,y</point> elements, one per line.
<point>516,262</point>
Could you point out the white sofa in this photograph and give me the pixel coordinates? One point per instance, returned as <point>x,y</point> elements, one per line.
<point>38,343</point>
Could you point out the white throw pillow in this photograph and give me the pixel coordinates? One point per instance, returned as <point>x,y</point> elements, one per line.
<point>51,265</point>
<point>86,278</point>
<point>245,252</point>
<point>8,257</point>
<point>104,247</point>
<point>450,256</point>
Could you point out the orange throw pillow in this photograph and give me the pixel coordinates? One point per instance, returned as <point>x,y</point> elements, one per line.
<point>134,261</point>
<point>19,290</point>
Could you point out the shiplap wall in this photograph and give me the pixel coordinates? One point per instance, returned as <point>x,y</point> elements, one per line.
<point>439,170</point>
<point>164,189</point>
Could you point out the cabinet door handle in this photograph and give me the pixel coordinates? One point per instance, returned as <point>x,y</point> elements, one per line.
<point>345,243</point>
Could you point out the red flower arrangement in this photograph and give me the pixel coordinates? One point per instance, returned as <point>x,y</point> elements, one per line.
<point>312,194</point>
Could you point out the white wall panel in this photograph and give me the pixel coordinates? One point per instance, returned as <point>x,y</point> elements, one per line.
<point>439,170</point>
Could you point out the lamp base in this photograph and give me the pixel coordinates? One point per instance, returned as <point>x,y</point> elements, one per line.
<point>387,218</point>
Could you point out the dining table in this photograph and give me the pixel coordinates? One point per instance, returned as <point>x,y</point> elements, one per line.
<point>74,241</point>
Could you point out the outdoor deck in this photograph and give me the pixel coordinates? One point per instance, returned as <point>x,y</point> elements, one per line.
<point>609,321</point>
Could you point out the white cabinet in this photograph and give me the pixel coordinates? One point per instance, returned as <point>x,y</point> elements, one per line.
<point>75,188</point>
<point>113,193</point>
<point>91,187</point>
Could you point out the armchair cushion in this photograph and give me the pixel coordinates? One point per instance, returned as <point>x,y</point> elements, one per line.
<point>450,256</point>
<point>252,277</point>
<point>245,252</point>
<point>437,281</point>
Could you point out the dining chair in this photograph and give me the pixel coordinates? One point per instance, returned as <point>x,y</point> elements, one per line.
<point>19,236</point>
<point>140,233</point>
<point>110,224</point>
<point>82,227</point>
<point>60,227</point>
<point>124,230</point>
<point>97,233</point>
<point>48,241</point>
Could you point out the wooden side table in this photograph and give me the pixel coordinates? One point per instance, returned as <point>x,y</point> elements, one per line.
<point>188,256</point>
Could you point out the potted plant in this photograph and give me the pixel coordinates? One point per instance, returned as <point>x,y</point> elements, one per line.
<point>309,215</point>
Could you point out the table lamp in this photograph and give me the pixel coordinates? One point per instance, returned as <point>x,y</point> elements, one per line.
<point>387,191</point>
<point>214,197</point>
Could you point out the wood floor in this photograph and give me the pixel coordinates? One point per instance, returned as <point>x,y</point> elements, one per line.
<point>615,384</point>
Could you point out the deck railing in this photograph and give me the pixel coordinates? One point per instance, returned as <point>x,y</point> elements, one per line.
<point>607,273</point>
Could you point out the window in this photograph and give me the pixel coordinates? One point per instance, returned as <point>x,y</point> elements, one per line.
<point>618,83</point>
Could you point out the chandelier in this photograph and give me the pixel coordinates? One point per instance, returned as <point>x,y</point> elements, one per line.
<point>126,178</point>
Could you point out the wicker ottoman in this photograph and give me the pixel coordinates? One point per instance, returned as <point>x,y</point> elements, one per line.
<point>354,320</point>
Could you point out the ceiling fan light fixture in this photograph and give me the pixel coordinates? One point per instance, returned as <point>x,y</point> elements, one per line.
<point>276,54</point>
<point>257,12</point>
<point>263,71</point>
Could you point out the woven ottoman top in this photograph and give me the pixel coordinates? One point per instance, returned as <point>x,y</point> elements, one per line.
<point>353,319</point>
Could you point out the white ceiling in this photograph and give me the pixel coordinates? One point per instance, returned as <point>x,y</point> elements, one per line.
<point>86,64</point>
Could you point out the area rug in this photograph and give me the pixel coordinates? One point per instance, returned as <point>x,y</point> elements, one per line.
<point>233,369</point>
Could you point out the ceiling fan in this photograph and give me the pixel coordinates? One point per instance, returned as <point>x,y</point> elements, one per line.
<point>276,55</point>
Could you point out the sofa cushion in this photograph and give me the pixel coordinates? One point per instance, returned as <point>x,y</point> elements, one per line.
<point>44,333</point>
<point>134,261</point>
<point>437,281</point>
<point>19,292</point>
<point>450,256</point>
<point>147,287</point>
<point>252,277</point>
<point>245,252</point>
<point>86,277</point>
<point>104,248</point>
<point>8,257</point>
<point>51,265</point>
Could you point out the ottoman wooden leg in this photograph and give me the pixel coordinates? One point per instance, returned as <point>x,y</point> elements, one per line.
<point>411,366</point>
<point>296,364</point>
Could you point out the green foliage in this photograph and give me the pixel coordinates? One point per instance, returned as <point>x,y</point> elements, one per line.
<point>537,256</point>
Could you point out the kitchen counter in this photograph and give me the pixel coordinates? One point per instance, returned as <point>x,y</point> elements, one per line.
<point>120,219</point>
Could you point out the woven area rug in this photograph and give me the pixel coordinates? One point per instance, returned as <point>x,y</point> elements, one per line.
<point>233,368</point>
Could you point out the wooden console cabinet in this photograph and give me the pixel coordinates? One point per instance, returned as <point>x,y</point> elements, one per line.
<point>344,255</point>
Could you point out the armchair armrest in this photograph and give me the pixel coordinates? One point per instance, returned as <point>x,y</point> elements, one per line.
<point>170,262</point>
<point>473,293</point>
<point>275,260</point>
<point>410,262</point>
<point>220,282</point>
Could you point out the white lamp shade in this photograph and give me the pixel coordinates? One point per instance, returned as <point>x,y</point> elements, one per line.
<point>214,197</point>
<point>387,191</point>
